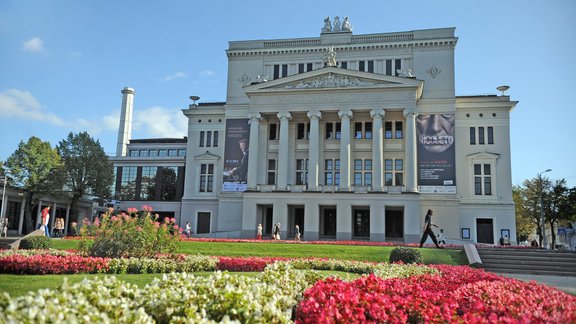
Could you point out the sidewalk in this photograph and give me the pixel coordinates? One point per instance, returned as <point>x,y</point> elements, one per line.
<point>564,283</point>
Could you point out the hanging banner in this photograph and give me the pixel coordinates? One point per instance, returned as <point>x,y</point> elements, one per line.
<point>236,147</point>
<point>436,153</point>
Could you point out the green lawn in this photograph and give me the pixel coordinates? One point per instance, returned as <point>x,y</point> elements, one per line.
<point>17,285</point>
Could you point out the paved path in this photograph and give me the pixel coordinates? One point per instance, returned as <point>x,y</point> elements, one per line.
<point>564,283</point>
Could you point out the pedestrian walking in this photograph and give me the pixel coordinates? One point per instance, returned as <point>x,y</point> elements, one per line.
<point>428,230</point>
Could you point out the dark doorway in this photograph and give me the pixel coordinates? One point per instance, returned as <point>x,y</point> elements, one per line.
<point>361,225</point>
<point>328,221</point>
<point>203,225</point>
<point>394,224</point>
<point>268,220</point>
<point>299,219</point>
<point>484,231</point>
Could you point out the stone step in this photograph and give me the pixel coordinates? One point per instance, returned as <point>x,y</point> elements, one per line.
<point>529,261</point>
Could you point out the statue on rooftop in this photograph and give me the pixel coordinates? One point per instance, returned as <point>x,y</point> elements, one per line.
<point>330,58</point>
<point>336,27</point>
<point>346,25</point>
<point>327,25</point>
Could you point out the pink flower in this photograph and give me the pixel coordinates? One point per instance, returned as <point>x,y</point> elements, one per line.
<point>97,221</point>
<point>147,208</point>
<point>132,210</point>
<point>138,229</point>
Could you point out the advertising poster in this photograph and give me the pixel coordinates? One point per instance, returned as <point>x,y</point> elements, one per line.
<point>436,153</point>
<point>236,155</point>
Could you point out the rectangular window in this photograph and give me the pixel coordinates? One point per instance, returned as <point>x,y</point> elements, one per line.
<point>301,68</point>
<point>172,152</point>
<point>181,152</point>
<point>153,152</point>
<point>133,153</point>
<point>208,138</point>
<point>303,131</point>
<point>357,130</point>
<point>128,183</point>
<point>308,67</point>
<point>344,65</point>
<point>215,139</point>
<point>371,66</point>
<point>398,66</point>
<point>301,171</point>
<point>399,132</point>
<point>394,175</point>
<point>148,183</point>
<point>361,66</point>
<point>338,130</point>
<point>482,179</point>
<point>162,152</point>
<point>143,153</point>
<point>202,138</point>
<point>206,177</point>
<point>363,130</point>
<point>490,135</point>
<point>388,130</point>
<point>362,172</point>
<point>271,172</point>
<point>276,71</point>
<point>331,172</point>
<point>472,135</point>
<point>368,130</point>
<point>273,132</point>
<point>388,67</point>
<point>481,135</point>
<point>284,70</point>
<point>329,134</point>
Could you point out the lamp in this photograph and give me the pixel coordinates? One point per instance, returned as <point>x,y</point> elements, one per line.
<point>194,99</point>
<point>4,193</point>
<point>542,223</point>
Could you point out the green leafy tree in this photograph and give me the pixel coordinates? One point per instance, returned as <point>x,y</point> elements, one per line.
<point>86,167</point>
<point>35,168</point>
<point>524,225</point>
<point>560,205</point>
<point>529,197</point>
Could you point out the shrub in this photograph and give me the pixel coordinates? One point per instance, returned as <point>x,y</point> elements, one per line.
<point>134,235</point>
<point>35,242</point>
<point>405,255</point>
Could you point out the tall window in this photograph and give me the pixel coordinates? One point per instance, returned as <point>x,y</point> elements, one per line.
<point>301,171</point>
<point>280,71</point>
<point>148,191</point>
<point>206,177</point>
<point>333,130</point>
<point>366,66</point>
<point>482,179</point>
<point>332,172</point>
<point>303,131</point>
<point>273,132</point>
<point>128,183</point>
<point>206,139</point>
<point>363,172</point>
<point>472,135</point>
<point>271,172</point>
<point>344,65</point>
<point>363,130</point>
<point>481,135</point>
<point>490,135</point>
<point>394,172</point>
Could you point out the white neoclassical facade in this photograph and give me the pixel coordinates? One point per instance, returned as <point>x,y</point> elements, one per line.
<point>351,137</point>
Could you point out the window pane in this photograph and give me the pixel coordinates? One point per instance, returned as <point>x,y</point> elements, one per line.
<point>488,185</point>
<point>271,164</point>
<point>472,135</point>
<point>301,131</point>
<point>344,65</point>
<point>490,135</point>
<point>361,66</point>
<point>210,168</point>
<point>357,164</point>
<point>172,153</point>
<point>388,164</point>
<point>308,67</point>
<point>201,139</point>
<point>371,66</point>
<point>338,130</point>
<point>388,178</point>
<point>203,168</point>
<point>143,152</point>
<point>133,152</point>
<point>203,183</point>
<point>328,164</point>
<point>388,130</point>
<point>358,130</point>
<point>153,152</point>
<point>210,183</point>
<point>480,135</point>
<point>271,178</point>
<point>477,169</point>
<point>367,164</point>
<point>337,178</point>
<point>358,178</point>
<point>368,130</point>
<point>388,67</point>
<point>276,71</point>
<point>329,130</point>
<point>272,133</point>
<point>299,164</point>
<point>181,152</point>
<point>399,133</point>
<point>487,169</point>
<point>368,179</point>
<point>399,177</point>
<point>301,68</point>
<point>215,140</point>
<point>337,164</point>
<point>478,185</point>
<point>399,165</point>
<point>162,152</point>
<point>328,178</point>
<point>208,138</point>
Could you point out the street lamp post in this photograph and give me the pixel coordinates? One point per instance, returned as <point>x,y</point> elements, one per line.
<point>542,222</point>
<point>3,194</point>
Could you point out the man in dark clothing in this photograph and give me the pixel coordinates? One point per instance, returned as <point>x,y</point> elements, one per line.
<point>428,230</point>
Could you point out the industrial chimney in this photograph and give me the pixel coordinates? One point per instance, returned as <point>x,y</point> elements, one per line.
<point>125,129</point>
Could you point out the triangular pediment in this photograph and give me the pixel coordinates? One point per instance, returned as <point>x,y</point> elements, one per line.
<point>333,78</point>
<point>484,155</point>
<point>207,156</point>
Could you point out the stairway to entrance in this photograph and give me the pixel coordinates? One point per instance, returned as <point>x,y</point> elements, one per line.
<point>528,261</point>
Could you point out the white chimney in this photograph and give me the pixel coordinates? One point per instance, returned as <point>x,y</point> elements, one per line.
<point>125,129</point>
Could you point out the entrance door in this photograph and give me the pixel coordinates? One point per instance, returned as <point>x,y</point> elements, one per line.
<point>394,224</point>
<point>328,221</point>
<point>361,219</point>
<point>203,225</point>
<point>268,223</point>
<point>484,231</point>
<point>299,219</point>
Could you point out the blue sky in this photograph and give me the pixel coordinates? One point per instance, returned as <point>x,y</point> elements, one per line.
<point>63,63</point>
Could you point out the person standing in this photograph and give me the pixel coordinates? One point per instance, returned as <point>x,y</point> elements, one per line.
<point>259,232</point>
<point>277,231</point>
<point>46,220</point>
<point>297,233</point>
<point>188,229</point>
<point>441,238</point>
<point>428,230</point>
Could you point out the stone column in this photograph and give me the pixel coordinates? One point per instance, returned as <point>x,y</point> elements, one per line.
<point>377,148</point>
<point>345,151</point>
<point>252,180</point>
<point>313,149</point>
<point>411,156</point>
<point>283,150</point>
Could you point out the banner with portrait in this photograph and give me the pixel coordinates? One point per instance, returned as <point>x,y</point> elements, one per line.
<point>236,143</point>
<point>436,153</point>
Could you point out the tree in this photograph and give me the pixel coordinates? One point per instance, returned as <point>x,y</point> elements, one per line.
<point>524,226</point>
<point>36,168</point>
<point>87,168</point>
<point>529,202</point>
<point>560,206</point>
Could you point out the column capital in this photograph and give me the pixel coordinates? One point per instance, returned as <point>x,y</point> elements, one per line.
<point>284,115</point>
<point>410,111</point>
<point>377,113</point>
<point>345,113</point>
<point>314,114</point>
<point>254,116</point>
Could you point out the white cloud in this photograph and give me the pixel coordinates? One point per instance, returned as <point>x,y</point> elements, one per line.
<point>160,122</point>
<point>34,45</point>
<point>176,75</point>
<point>208,73</point>
<point>21,104</point>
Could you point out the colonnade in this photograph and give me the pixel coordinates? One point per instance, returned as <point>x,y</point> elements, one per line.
<point>345,115</point>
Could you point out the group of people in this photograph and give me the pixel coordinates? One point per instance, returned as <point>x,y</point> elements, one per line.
<point>276,232</point>
<point>58,224</point>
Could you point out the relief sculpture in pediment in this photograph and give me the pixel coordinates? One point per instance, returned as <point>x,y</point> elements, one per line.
<point>331,81</point>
